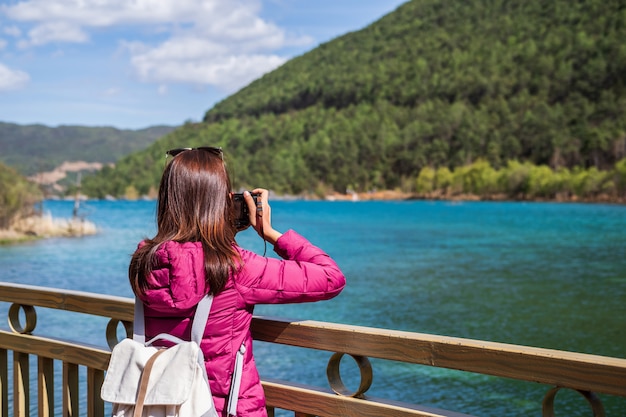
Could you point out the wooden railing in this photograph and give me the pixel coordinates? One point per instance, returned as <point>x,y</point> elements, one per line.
<point>587,374</point>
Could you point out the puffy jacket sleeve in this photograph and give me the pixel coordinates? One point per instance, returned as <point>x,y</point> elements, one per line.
<point>306,273</point>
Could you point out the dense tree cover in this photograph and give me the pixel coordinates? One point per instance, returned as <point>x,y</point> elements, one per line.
<point>282,160</point>
<point>435,84</point>
<point>38,148</point>
<point>17,195</point>
<point>519,180</point>
<point>535,80</point>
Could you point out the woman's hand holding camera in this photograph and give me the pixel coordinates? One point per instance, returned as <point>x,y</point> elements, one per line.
<point>261,215</point>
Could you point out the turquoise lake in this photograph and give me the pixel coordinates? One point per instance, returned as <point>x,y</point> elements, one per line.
<point>549,275</point>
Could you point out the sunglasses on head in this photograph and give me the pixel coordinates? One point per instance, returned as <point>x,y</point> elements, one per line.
<point>213,150</point>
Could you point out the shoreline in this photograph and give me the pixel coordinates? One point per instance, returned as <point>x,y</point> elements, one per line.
<point>390,195</point>
<point>395,195</point>
<point>45,226</point>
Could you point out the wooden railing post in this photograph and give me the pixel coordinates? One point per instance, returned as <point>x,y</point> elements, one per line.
<point>4,382</point>
<point>46,387</point>
<point>70,388</point>
<point>21,385</point>
<point>95,405</point>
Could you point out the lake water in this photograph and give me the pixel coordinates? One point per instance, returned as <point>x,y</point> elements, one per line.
<point>537,274</point>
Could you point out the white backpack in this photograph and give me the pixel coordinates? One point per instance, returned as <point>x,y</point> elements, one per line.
<point>145,381</point>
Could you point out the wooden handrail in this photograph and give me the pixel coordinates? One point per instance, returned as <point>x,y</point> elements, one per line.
<point>583,372</point>
<point>120,308</point>
<point>566,369</point>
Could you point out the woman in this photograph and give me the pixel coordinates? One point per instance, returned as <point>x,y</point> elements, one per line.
<point>194,253</point>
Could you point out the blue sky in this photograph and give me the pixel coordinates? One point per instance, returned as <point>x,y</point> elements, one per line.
<point>138,63</point>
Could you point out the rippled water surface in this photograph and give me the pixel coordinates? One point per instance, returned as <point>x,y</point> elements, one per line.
<point>537,274</point>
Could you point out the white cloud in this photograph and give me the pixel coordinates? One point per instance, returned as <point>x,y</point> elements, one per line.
<point>228,20</point>
<point>208,42</point>
<point>11,79</point>
<point>227,72</point>
<point>54,32</point>
<point>101,13</point>
<point>3,44</point>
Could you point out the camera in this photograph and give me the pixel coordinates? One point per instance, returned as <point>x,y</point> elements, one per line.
<point>242,214</point>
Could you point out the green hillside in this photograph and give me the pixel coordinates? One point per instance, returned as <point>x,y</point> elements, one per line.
<point>37,148</point>
<point>17,195</point>
<point>433,84</point>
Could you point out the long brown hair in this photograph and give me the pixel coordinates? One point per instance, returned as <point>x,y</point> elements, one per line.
<point>194,205</point>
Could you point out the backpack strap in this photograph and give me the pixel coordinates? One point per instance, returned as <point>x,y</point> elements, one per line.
<point>235,384</point>
<point>143,383</point>
<point>198,325</point>
<point>200,318</point>
<point>139,328</point>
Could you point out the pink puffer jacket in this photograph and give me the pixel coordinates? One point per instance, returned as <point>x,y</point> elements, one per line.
<point>177,284</point>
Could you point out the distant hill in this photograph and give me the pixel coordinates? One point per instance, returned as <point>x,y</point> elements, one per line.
<point>37,148</point>
<point>432,84</point>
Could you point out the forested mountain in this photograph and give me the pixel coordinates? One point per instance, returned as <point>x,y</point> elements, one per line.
<point>435,84</point>
<point>36,148</point>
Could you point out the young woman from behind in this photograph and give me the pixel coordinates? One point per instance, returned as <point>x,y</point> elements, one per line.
<point>194,253</point>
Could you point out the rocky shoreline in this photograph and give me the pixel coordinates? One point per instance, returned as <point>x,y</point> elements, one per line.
<point>45,226</point>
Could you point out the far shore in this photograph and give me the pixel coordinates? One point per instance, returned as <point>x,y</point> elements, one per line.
<point>391,195</point>
<point>396,195</point>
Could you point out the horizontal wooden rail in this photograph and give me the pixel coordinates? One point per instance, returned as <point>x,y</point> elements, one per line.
<point>317,402</point>
<point>71,352</point>
<point>584,372</point>
<point>566,369</point>
<point>119,308</point>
